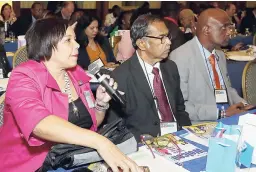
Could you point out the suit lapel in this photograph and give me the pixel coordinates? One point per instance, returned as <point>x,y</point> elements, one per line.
<point>141,82</point>
<point>199,60</point>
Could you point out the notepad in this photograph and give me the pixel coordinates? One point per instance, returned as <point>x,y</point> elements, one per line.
<point>144,158</point>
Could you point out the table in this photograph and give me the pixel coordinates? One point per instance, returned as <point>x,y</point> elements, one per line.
<point>246,40</point>
<point>235,71</point>
<point>11,46</point>
<point>199,164</point>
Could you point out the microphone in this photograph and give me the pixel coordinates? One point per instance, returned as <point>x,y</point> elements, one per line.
<point>94,69</point>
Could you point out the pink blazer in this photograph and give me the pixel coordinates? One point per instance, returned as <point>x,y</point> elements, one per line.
<point>32,94</point>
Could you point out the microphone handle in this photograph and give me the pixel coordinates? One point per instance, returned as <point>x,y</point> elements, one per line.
<point>113,93</point>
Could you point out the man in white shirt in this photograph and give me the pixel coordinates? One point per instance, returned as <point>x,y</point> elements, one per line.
<point>111,17</point>
<point>154,102</point>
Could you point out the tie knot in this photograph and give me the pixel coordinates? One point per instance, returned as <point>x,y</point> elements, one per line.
<point>155,71</point>
<point>212,59</point>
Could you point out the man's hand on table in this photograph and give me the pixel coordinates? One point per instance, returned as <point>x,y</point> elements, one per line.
<point>237,108</point>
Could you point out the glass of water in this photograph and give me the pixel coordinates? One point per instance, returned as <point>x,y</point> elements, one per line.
<point>12,36</point>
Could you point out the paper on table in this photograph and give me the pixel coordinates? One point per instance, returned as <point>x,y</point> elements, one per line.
<point>3,84</point>
<point>144,158</point>
<point>196,139</point>
<point>248,122</point>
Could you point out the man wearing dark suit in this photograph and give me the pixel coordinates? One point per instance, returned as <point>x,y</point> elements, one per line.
<point>150,82</point>
<point>67,9</point>
<point>170,12</point>
<point>23,23</point>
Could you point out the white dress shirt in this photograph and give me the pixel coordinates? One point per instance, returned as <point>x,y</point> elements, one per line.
<point>147,69</point>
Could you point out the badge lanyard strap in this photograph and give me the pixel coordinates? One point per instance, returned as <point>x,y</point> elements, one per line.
<point>210,74</point>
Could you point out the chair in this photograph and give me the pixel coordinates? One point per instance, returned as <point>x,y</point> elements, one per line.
<point>20,56</point>
<point>254,40</point>
<point>2,109</point>
<point>249,82</point>
<point>115,50</point>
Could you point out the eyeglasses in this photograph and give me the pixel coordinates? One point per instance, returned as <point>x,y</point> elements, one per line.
<point>163,38</point>
<point>160,143</point>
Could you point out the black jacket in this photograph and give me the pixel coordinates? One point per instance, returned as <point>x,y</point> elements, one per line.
<point>140,114</point>
<point>21,25</point>
<point>178,38</point>
<point>84,60</point>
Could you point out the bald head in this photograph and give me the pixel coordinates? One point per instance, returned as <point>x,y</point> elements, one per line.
<point>213,27</point>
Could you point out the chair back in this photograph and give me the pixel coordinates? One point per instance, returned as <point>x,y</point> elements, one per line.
<point>20,56</point>
<point>249,82</point>
<point>2,109</point>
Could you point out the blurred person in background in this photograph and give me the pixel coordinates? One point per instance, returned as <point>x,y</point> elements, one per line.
<point>67,9</point>
<point>75,17</point>
<point>111,17</point>
<point>23,23</point>
<point>92,45</point>
<point>187,20</point>
<point>170,13</point>
<point>7,14</point>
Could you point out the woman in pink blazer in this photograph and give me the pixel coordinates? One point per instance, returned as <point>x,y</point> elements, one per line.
<point>45,103</point>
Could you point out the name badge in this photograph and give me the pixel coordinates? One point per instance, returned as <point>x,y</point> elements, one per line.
<point>168,127</point>
<point>89,100</point>
<point>221,96</point>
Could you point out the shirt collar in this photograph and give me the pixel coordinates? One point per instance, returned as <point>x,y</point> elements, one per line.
<point>148,67</point>
<point>203,50</point>
<point>33,19</point>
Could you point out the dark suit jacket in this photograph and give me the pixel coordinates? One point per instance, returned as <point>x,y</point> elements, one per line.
<point>84,60</point>
<point>59,15</point>
<point>21,25</point>
<point>178,38</point>
<point>248,22</point>
<point>140,114</point>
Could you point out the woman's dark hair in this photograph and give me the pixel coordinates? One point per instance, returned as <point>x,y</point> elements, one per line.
<point>43,36</point>
<point>140,26</point>
<point>82,24</point>
<point>2,9</point>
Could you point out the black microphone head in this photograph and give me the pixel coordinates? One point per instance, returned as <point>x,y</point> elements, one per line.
<point>95,66</point>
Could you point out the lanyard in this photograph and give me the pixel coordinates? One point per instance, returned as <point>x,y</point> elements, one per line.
<point>208,70</point>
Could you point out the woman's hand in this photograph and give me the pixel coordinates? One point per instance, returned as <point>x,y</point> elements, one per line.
<point>102,96</point>
<point>116,159</point>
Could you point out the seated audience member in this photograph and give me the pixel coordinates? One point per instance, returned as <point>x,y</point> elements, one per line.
<point>7,14</point>
<point>23,23</point>
<point>204,78</point>
<point>231,12</point>
<point>214,4</point>
<point>45,105</point>
<point>48,14</point>
<point>4,64</point>
<point>125,48</point>
<point>92,44</point>
<point>75,17</point>
<point>249,21</point>
<point>150,82</point>
<point>67,9</point>
<point>170,12</point>
<point>187,20</point>
<point>111,17</point>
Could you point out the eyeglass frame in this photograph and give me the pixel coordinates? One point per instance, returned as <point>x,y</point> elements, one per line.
<point>162,38</point>
<point>153,140</point>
